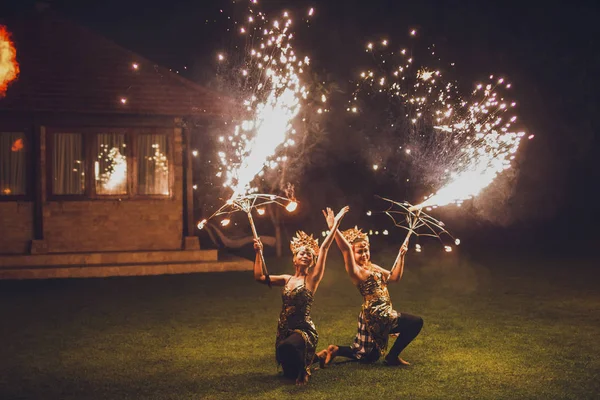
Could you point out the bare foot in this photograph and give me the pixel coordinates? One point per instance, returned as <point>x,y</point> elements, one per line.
<point>332,351</point>
<point>322,356</point>
<point>396,361</point>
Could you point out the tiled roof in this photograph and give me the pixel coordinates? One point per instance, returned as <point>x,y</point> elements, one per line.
<point>68,68</point>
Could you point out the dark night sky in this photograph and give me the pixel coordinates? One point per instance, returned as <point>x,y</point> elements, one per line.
<point>550,52</point>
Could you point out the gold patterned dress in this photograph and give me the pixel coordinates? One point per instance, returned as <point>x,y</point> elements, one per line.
<point>295,318</point>
<point>377,313</point>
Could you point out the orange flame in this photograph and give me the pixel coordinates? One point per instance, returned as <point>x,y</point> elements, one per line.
<point>9,68</point>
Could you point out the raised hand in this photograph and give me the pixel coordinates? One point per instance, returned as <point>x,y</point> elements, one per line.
<point>340,215</point>
<point>404,249</point>
<point>258,246</point>
<point>329,217</point>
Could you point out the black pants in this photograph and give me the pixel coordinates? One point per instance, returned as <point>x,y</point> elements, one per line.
<point>408,327</point>
<point>290,354</point>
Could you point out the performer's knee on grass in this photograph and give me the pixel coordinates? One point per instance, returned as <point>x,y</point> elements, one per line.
<point>290,360</point>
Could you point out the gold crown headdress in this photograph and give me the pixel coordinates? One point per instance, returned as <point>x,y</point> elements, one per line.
<point>354,235</point>
<point>302,240</point>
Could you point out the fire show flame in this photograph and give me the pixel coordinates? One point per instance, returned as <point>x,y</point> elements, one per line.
<point>9,68</point>
<point>272,75</point>
<point>459,143</point>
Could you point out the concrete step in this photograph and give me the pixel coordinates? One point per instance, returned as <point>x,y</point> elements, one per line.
<point>85,259</point>
<point>225,263</point>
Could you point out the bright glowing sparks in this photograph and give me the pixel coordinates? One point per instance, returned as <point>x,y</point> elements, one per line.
<point>273,102</point>
<point>457,142</point>
<point>425,75</point>
<point>292,206</point>
<point>260,211</point>
<point>487,147</point>
<point>225,222</point>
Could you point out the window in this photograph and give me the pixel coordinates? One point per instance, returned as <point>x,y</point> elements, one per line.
<point>100,163</point>
<point>110,165</point>
<point>153,165</point>
<point>68,164</point>
<point>13,164</point>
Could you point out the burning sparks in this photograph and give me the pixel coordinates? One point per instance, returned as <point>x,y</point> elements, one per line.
<point>225,222</point>
<point>457,142</point>
<point>9,68</point>
<point>272,74</point>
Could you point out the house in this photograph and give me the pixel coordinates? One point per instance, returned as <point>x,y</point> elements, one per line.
<point>95,167</point>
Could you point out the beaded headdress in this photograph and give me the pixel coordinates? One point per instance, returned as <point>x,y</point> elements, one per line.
<point>354,235</point>
<point>302,240</point>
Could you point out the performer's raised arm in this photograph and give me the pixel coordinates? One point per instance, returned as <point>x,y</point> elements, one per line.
<point>277,280</point>
<point>317,272</point>
<point>398,268</point>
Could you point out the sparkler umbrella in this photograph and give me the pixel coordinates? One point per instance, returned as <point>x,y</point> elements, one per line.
<point>415,221</point>
<point>246,204</point>
<point>271,73</point>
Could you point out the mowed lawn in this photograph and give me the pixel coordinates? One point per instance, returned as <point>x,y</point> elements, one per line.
<point>510,328</point>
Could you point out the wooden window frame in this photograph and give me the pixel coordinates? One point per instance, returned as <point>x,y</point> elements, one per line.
<point>89,138</point>
<point>29,163</point>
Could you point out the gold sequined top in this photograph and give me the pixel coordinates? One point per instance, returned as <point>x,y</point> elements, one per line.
<point>380,317</point>
<point>295,317</point>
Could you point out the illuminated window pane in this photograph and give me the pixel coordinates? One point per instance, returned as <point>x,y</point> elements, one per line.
<point>12,164</point>
<point>153,165</point>
<point>68,172</point>
<point>110,164</point>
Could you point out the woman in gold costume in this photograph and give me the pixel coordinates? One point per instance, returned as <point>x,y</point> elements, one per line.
<point>377,319</point>
<point>297,336</point>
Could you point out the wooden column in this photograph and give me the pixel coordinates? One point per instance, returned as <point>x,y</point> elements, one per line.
<point>191,242</point>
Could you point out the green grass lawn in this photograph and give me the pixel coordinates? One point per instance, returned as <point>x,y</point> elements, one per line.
<point>500,329</point>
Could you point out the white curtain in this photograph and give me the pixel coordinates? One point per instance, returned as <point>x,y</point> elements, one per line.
<point>110,165</point>
<point>153,165</point>
<point>13,165</point>
<point>68,164</point>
